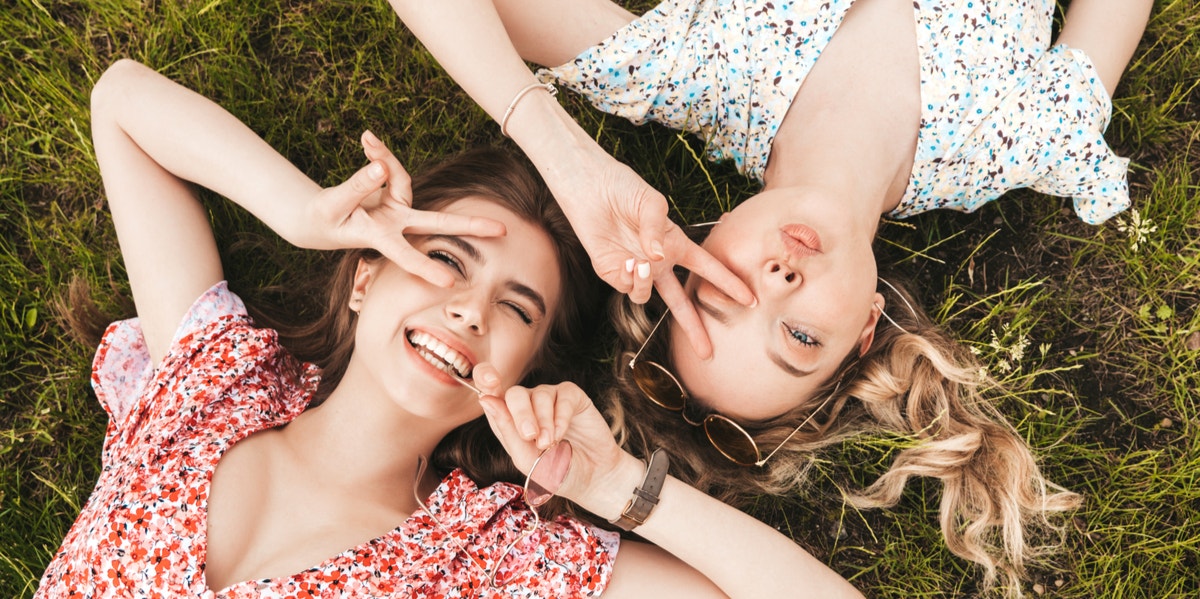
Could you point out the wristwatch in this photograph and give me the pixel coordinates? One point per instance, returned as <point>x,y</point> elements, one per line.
<point>645,496</point>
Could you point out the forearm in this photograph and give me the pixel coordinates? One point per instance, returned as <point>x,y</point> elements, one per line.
<point>195,140</point>
<point>1108,31</point>
<point>489,68</point>
<point>742,556</point>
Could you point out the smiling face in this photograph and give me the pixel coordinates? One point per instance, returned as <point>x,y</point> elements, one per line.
<point>814,276</point>
<point>410,333</point>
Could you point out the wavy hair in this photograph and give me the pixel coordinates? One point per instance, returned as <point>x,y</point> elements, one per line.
<point>498,176</point>
<point>915,382</point>
<point>328,340</point>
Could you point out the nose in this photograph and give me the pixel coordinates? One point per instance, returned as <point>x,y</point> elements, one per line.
<point>466,311</point>
<point>780,276</point>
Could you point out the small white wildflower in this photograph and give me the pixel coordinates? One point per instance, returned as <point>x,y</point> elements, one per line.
<point>1017,351</point>
<point>1136,227</point>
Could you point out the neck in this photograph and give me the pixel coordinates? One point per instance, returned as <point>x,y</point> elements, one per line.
<point>869,190</point>
<point>361,440</point>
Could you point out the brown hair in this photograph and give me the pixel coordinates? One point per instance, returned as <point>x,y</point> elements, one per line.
<point>917,383</point>
<point>498,176</point>
<point>328,341</point>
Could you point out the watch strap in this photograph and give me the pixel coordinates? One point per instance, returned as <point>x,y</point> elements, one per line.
<point>645,496</point>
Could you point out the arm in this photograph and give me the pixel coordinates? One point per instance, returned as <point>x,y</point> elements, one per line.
<point>698,541</point>
<point>621,220</point>
<point>153,136</point>
<point>1108,31</point>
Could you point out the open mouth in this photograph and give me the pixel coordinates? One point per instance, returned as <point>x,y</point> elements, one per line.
<point>440,355</point>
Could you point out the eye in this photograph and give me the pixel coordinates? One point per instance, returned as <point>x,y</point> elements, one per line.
<point>520,312</point>
<point>801,337</point>
<point>447,259</point>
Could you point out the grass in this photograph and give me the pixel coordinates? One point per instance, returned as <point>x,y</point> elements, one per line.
<point>1105,391</point>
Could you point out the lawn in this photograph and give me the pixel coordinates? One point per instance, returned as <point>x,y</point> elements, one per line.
<point>1095,330</point>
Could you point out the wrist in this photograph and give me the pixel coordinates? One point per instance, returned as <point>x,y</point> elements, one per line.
<point>552,140</point>
<point>610,494</point>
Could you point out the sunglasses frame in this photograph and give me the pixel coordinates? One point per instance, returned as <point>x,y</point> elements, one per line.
<point>422,463</point>
<point>714,417</point>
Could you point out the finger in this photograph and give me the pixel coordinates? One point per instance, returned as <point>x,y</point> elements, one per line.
<point>344,198</point>
<point>520,405</point>
<point>652,225</point>
<point>399,182</point>
<point>571,401</point>
<point>408,258</point>
<point>624,276</point>
<point>685,314</point>
<point>642,283</point>
<point>421,222</point>
<point>543,398</point>
<point>487,379</point>
<point>703,264</point>
<point>499,420</point>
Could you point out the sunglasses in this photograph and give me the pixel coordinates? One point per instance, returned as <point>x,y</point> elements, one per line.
<point>734,442</point>
<point>554,461</point>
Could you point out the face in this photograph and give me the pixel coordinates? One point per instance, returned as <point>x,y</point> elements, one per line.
<point>814,276</point>
<point>410,333</point>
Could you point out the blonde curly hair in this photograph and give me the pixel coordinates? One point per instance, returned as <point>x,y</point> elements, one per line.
<point>914,381</point>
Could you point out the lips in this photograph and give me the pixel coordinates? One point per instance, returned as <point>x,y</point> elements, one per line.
<point>800,240</point>
<point>439,353</point>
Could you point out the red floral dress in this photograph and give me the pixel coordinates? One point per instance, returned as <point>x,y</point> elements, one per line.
<point>143,531</point>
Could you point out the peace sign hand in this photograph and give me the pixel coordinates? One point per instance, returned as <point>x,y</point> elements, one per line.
<point>373,209</point>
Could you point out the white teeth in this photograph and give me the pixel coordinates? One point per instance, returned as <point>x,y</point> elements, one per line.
<point>437,353</point>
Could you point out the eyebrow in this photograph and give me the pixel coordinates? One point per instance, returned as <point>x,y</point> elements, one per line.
<point>475,255</point>
<point>775,357</point>
<point>529,294</point>
<point>720,317</point>
<point>471,251</point>
<point>788,368</point>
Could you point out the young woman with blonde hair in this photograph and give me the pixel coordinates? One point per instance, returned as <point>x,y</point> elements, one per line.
<point>845,111</point>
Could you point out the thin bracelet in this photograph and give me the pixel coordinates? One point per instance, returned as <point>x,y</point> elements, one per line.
<point>550,89</point>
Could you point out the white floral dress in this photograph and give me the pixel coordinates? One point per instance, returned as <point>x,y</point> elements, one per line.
<point>1000,110</point>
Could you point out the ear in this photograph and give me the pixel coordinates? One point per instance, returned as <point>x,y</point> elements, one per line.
<point>868,334</point>
<point>363,275</point>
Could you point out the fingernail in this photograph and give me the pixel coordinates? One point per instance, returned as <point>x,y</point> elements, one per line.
<point>375,170</point>
<point>490,379</point>
<point>528,430</point>
<point>629,265</point>
<point>656,249</point>
<point>370,137</point>
<point>644,270</point>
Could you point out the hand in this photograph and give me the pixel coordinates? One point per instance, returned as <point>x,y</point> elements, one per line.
<point>374,209</point>
<point>526,421</point>
<point>633,244</point>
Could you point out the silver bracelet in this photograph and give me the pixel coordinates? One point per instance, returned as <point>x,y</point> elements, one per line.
<point>550,89</point>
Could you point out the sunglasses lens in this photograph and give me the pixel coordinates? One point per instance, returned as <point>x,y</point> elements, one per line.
<point>658,385</point>
<point>731,440</point>
<point>548,473</point>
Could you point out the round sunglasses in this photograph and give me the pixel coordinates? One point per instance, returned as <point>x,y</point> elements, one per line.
<point>734,442</point>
